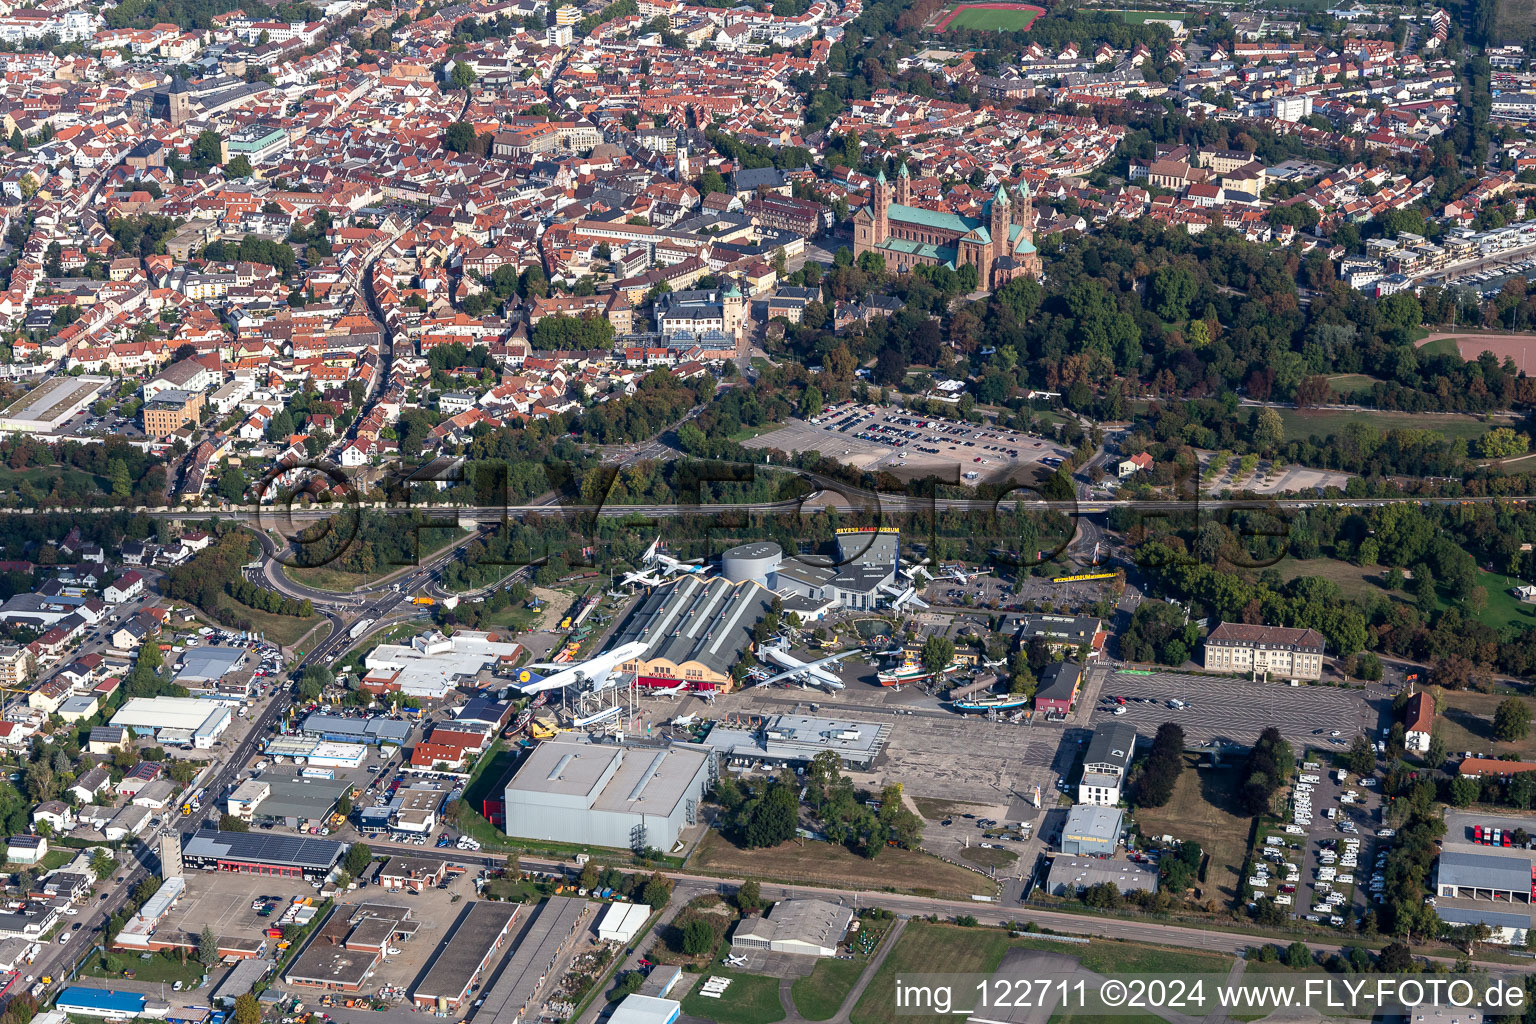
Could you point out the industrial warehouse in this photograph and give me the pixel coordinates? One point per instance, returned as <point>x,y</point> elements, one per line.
<point>464,959</point>
<point>796,739</point>
<point>433,664</point>
<point>808,927</point>
<point>262,854</point>
<point>606,794</point>
<point>177,721</point>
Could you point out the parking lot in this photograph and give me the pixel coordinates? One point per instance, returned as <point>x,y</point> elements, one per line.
<point>873,436</point>
<point>1225,710</point>
<point>221,900</point>
<point>1335,820</point>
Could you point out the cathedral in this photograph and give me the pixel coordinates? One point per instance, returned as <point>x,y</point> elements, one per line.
<point>1000,245</point>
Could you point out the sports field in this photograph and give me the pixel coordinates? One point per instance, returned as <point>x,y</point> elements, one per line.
<point>990,17</point>
<point>1142,17</point>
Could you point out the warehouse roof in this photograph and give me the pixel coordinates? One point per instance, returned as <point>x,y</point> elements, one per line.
<point>1083,872</point>
<point>208,664</point>
<point>1485,870</point>
<point>814,922</point>
<point>464,950</point>
<point>1089,821</point>
<point>519,980</point>
<point>379,729</point>
<point>1477,915</point>
<point>168,712</point>
<point>129,1004</point>
<point>638,780</point>
<point>301,798</point>
<point>265,847</point>
<point>704,621</point>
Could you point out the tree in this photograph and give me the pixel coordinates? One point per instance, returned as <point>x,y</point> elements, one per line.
<point>1395,958</point>
<point>1512,720</point>
<point>460,137</point>
<point>1164,764</point>
<point>938,652</point>
<point>1465,791</point>
<point>749,898</point>
<point>103,864</point>
<point>239,167</point>
<point>698,937</point>
<point>207,947</point>
<point>658,890</point>
<point>1435,755</point>
<point>247,1009</point>
<point>1362,756</point>
<point>1268,430</point>
<point>358,857</point>
<point>462,76</point>
<point>513,867</point>
<point>230,823</point>
<point>1297,955</point>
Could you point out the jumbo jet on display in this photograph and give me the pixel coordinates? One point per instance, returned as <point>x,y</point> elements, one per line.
<point>803,671</point>
<point>666,564</point>
<point>593,673</point>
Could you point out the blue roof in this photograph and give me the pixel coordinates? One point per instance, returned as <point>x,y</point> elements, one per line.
<point>101,999</point>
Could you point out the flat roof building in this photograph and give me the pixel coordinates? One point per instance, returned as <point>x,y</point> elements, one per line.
<point>49,406</point>
<point>262,853</point>
<point>1092,830</point>
<point>512,997</point>
<point>371,731</point>
<point>432,664</point>
<point>342,954</point>
<point>606,794</point>
<point>202,665</point>
<point>796,739</point>
<point>1070,875</point>
<point>807,926</point>
<point>203,721</point>
<point>639,1009</point>
<point>621,922</point>
<point>466,956</point>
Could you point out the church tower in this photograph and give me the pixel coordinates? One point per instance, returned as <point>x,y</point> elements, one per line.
<point>880,209</point>
<point>1024,211</point>
<point>178,102</point>
<point>681,166</point>
<point>903,186</point>
<point>1000,221</point>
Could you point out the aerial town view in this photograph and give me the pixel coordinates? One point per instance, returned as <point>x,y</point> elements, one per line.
<point>851,511</point>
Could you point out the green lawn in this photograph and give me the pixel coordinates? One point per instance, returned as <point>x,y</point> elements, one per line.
<point>819,994</point>
<point>1303,424</point>
<point>327,577</point>
<point>751,999</point>
<point>1441,347</point>
<point>158,968</point>
<point>1344,383</point>
<point>41,477</point>
<point>1355,581</point>
<point>1465,722</point>
<point>1503,608</point>
<point>1142,17</point>
<point>285,630</point>
<point>748,433</point>
<point>993,19</point>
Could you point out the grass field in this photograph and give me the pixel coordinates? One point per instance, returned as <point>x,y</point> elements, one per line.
<point>1300,425</point>
<point>990,17</point>
<point>325,577</point>
<point>1441,347</point>
<point>1344,383</point>
<point>1203,808</point>
<point>1466,723</point>
<point>1356,581</point>
<point>825,864</point>
<point>280,629</point>
<point>41,477</point>
<point>1142,17</point>
<point>820,994</point>
<point>751,999</point>
<point>925,947</point>
<point>158,968</point>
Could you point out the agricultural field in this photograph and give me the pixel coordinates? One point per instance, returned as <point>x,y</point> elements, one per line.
<point>990,17</point>
<point>1305,423</point>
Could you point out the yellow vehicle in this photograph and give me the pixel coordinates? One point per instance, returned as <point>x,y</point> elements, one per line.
<point>423,601</point>
<point>46,979</point>
<point>565,623</point>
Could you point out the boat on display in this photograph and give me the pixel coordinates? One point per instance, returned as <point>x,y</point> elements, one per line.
<point>520,724</point>
<point>910,672</point>
<point>992,702</point>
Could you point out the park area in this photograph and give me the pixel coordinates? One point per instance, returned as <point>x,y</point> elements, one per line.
<point>1203,809</point>
<point>989,17</point>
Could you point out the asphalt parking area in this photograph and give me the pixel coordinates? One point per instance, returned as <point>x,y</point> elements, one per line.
<point>221,900</point>
<point>1228,710</point>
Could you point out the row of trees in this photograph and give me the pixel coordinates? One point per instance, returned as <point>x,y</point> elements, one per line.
<point>270,601</point>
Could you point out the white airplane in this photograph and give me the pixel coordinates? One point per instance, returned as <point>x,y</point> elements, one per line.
<point>641,579</point>
<point>961,573</point>
<point>993,662</point>
<point>684,721</point>
<point>899,599</point>
<point>806,672</point>
<point>734,961</point>
<point>594,671</point>
<point>671,691</point>
<point>666,564</point>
